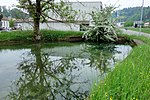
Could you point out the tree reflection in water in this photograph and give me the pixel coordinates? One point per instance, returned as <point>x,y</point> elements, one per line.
<point>54,78</point>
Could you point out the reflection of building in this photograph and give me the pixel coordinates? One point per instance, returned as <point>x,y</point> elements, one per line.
<point>5,23</point>
<point>83,18</point>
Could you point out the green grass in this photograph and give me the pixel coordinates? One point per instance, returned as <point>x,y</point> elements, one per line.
<point>130,80</point>
<point>48,35</point>
<point>54,35</point>
<point>145,30</point>
<point>15,36</point>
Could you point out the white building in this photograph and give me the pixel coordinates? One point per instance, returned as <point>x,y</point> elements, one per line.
<point>5,23</point>
<point>147,24</point>
<point>120,24</point>
<point>85,8</point>
<point>50,25</point>
<point>83,18</point>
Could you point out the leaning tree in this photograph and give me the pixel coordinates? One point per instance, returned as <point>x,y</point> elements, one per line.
<point>42,10</point>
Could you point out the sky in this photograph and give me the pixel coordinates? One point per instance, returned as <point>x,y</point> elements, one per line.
<point>121,3</point>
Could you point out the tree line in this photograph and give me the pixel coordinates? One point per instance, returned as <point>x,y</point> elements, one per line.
<point>13,13</point>
<point>132,14</point>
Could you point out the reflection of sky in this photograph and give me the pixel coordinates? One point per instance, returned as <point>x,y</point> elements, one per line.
<point>124,51</point>
<point>86,72</point>
<point>10,58</point>
<point>8,66</point>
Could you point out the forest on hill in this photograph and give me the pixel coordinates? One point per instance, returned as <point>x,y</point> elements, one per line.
<point>132,14</point>
<point>13,13</point>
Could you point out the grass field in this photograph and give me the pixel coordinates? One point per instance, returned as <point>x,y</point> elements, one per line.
<point>130,80</point>
<point>145,30</point>
<point>48,35</point>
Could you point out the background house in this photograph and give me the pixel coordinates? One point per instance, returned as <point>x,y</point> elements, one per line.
<point>83,18</point>
<point>5,23</point>
<point>147,24</point>
<point>137,24</point>
<point>50,25</point>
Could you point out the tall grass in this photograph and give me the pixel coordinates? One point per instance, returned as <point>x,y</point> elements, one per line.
<point>145,30</point>
<point>130,80</point>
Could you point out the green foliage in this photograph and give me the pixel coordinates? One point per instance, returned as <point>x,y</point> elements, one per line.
<point>130,79</point>
<point>128,23</point>
<point>5,11</point>
<point>40,12</point>
<point>133,14</point>
<point>13,13</point>
<point>18,14</point>
<point>11,23</point>
<point>104,28</point>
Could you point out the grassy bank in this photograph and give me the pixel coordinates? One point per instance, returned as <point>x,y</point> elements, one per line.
<point>48,35</point>
<point>130,80</point>
<point>145,30</point>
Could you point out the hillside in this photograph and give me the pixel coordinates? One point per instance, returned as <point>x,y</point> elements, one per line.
<point>132,14</point>
<point>13,13</point>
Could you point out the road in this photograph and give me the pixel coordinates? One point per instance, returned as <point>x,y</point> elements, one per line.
<point>130,32</point>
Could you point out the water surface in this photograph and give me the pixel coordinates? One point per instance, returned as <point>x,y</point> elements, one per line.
<point>55,71</point>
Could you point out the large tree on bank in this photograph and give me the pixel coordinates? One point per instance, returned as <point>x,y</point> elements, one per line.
<point>40,11</point>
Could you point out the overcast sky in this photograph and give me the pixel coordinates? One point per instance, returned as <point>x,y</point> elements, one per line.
<point>122,3</point>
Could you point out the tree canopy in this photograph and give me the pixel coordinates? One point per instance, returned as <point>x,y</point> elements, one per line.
<point>13,13</point>
<point>133,14</point>
<point>42,10</point>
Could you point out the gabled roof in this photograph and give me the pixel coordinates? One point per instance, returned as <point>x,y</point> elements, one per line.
<point>5,19</point>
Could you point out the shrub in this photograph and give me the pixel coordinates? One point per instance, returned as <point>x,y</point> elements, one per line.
<point>104,28</point>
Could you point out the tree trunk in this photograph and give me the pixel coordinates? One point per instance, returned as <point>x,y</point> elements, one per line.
<point>37,35</point>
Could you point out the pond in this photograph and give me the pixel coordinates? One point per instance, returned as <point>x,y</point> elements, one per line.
<point>56,71</point>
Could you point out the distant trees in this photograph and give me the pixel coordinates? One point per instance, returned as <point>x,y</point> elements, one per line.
<point>13,13</point>
<point>18,14</point>
<point>133,14</point>
<point>4,11</point>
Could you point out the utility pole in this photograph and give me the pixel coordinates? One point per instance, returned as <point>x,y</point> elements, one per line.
<point>141,15</point>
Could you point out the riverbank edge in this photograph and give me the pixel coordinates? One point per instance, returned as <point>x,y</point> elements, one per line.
<point>25,37</point>
<point>130,80</point>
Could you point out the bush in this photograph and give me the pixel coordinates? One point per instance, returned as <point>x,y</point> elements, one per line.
<point>104,28</point>
<point>128,24</point>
